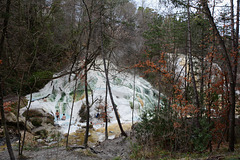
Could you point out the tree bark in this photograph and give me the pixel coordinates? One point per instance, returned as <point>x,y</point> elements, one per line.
<point>8,142</point>
<point>134,86</point>
<point>18,110</point>
<point>87,104</point>
<point>85,73</point>
<point>26,118</point>
<point>112,100</point>
<point>191,68</point>
<point>106,113</point>
<point>74,97</point>
<point>232,79</point>
<point>4,32</point>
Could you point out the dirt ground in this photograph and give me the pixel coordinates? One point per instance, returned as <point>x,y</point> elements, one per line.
<point>107,150</point>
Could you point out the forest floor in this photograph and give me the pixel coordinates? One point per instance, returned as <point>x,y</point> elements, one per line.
<point>120,148</point>
<point>107,150</point>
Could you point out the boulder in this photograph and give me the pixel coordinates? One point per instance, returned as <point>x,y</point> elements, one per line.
<point>41,131</point>
<point>11,120</point>
<point>39,117</point>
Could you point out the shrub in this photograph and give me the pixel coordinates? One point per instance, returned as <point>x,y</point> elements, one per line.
<point>202,135</point>
<point>165,129</point>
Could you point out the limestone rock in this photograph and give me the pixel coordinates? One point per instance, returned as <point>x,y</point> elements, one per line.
<point>11,120</point>
<point>39,117</point>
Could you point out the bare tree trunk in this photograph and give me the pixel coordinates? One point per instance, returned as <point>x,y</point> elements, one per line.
<point>106,71</point>
<point>26,118</point>
<point>87,103</point>
<point>232,89</point>
<point>159,92</point>
<point>8,142</point>
<point>186,77</point>
<point>191,67</point>
<point>202,75</point>
<point>237,26</point>
<point>210,101</point>
<point>74,97</point>
<point>231,75</point>
<point>85,72</point>
<point>18,109</point>
<point>4,31</point>
<point>134,85</point>
<point>106,113</point>
<point>112,100</point>
<point>209,84</point>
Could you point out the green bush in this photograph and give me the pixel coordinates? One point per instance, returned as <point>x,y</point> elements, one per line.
<point>155,127</point>
<point>202,136</point>
<point>165,129</point>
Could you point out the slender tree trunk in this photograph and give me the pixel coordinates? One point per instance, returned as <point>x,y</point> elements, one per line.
<point>231,75</point>
<point>159,92</point>
<point>233,85</point>
<point>8,142</point>
<point>191,67</point>
<point>210,99</point>
<point>4,32</point>
<point>186,77</point>
<point>85,72</point>
<point>112,100</point>
<point>26,120</point>
<point>74,97</point>
<point>202,75</point>
<point>134,85</point>
<point>209,84</point>
<point>237,27</point>
<point>106,113</point>
<point>18,109</point>
<point>87,104</point>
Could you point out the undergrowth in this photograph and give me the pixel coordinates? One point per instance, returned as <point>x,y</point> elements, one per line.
<point>140,152</point>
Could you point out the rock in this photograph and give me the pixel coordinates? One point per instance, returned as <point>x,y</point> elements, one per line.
<point>41,131</point>
<point>10,117</point>
<point>11,120</point>
<point>40,140</point>
<point>52,143</point>
<point>37,122</point>
<point>29,138</point>
<point>79,130</point>
<point>39,116</point>
<point>37,137</point>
